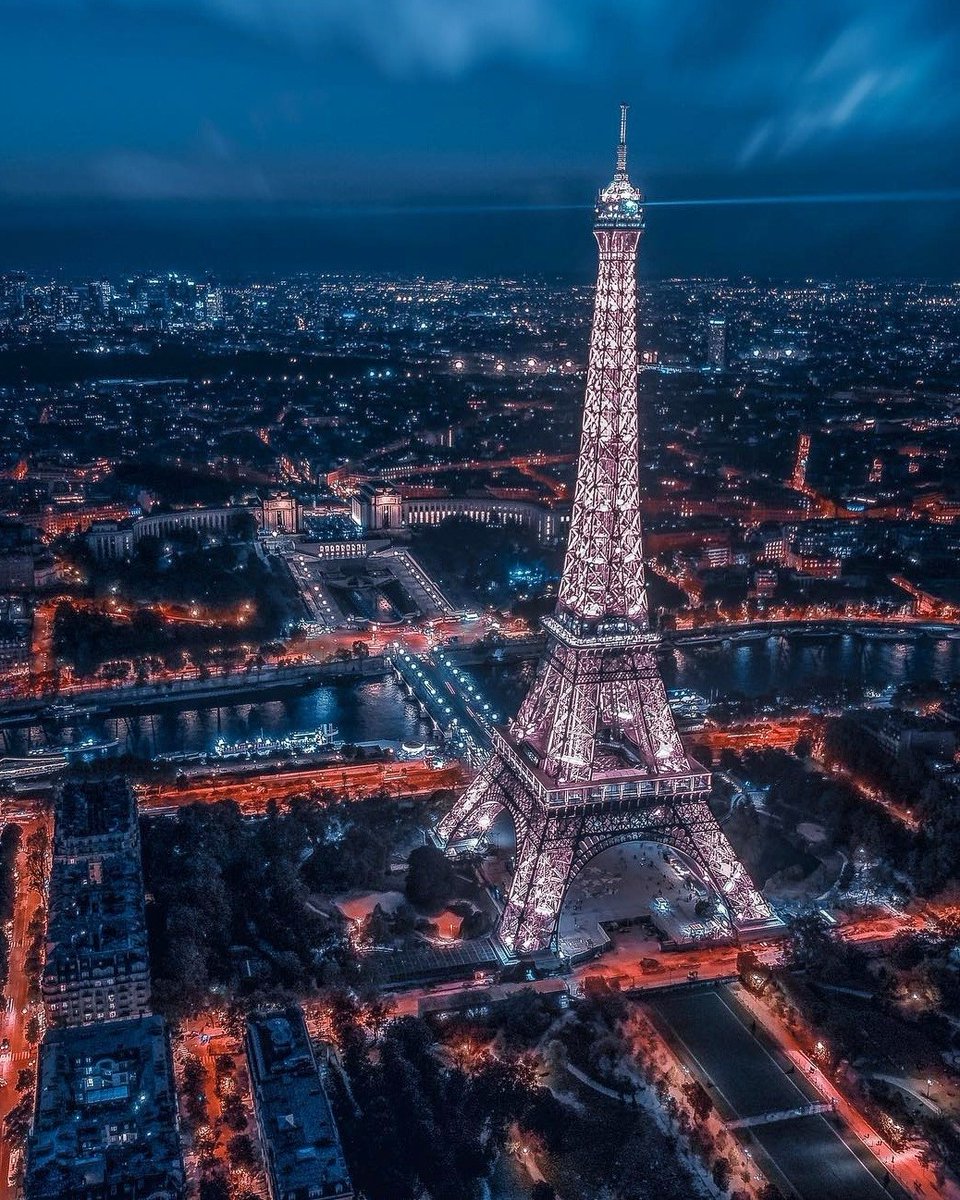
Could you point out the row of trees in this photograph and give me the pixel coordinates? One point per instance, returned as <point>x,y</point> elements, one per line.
<point>230,1129</point>
<point>219,577</point>
<point>932,853</point>
<point>612,1042</point>
<point>480,557</point>
<point>903,778</point>
<point>172,567</point>
<point>851,821</point>
<point>611,1149</point>
<point>868,1036</point>
<point>415,1123</point>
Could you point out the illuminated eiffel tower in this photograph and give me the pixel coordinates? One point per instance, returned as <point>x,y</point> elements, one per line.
<point>593,758</point>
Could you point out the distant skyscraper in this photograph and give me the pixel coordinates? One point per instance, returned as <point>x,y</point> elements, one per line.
<point>213,306</point>
<point>13,290</point>
<point>717,343</point>
<point>101,293</point>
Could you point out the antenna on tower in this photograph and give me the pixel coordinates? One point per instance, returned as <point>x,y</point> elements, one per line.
<point>622,148</point>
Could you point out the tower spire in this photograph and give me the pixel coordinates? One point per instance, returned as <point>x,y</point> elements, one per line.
<point>619,204</point>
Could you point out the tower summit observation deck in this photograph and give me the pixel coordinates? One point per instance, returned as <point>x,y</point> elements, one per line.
<point>593,757</point>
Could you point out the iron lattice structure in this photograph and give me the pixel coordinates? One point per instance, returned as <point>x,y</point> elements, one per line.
<point>593,757</point>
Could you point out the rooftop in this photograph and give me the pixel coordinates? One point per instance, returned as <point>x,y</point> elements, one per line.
<point>96,915</point>
<point>301,1140</point>
<point>94,809</point>
<point>105,1114</point>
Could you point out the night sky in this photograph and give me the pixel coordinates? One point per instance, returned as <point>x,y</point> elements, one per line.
<point>462,136</point>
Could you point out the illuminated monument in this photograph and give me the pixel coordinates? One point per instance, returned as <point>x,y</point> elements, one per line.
<point>593,758</point>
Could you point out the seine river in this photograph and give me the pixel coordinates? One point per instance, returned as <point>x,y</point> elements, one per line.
<point>788,665</point>
<point>378,709</point>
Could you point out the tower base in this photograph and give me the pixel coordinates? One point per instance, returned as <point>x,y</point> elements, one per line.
<point>559,831</point>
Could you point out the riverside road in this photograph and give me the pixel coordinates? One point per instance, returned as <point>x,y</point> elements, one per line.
<point>814,1156</point>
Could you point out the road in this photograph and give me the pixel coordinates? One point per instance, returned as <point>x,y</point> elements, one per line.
<point>749,1075</point>
<point>253,793</point>
<point>751,734</point>
<point>13,1020</point>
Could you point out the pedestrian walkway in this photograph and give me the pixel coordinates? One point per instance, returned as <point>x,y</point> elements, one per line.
<point>787,1114</point>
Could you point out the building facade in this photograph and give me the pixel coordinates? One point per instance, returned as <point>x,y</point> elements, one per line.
<point>96,967</point>
<point>111,540</point>
<point>281,514</point>
<point>379,508</point>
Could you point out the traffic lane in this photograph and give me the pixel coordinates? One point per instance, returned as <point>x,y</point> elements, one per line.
<point>253,794</point>
<point>823,1165</point>
<point>745,1073</point>
<point>14,1021</point>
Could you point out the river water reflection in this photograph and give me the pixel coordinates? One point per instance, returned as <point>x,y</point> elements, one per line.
<point>378,708</point>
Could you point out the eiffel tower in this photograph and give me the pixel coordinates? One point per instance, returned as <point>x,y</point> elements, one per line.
<point>593,758</point>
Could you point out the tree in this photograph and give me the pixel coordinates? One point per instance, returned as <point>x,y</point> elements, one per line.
<point>215,1186</point>
<point>174,659</point>
<point>698,1099</point>
<point>475,924</point>
<point>242,526</point>
<point>811,944</point>
<point>721,1173</point>
<point>234,1113</point>
<point>376,1012</point>
<point>17,1121</point>
<point>241,1151</point>
<point>729,760</point>
<point>429,877</point>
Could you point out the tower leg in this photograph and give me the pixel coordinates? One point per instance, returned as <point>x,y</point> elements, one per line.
<point>476,809</point>
<point>529,921</point>
<point>702,838</point>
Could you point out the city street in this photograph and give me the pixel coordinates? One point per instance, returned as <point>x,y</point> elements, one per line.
<point>253,792</point>
<point>13,1019</point>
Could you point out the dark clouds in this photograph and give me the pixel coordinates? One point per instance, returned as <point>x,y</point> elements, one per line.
<point>326,103</point>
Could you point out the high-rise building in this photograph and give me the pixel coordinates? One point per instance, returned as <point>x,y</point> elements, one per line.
<point>717,343</point>
<point>13,291</point>
<point>593,759</point>
<point>96,966</point>
<point>301,1143</point>
<point>101,295</point>
<point>105,1123</point>
<point>213,306</point>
